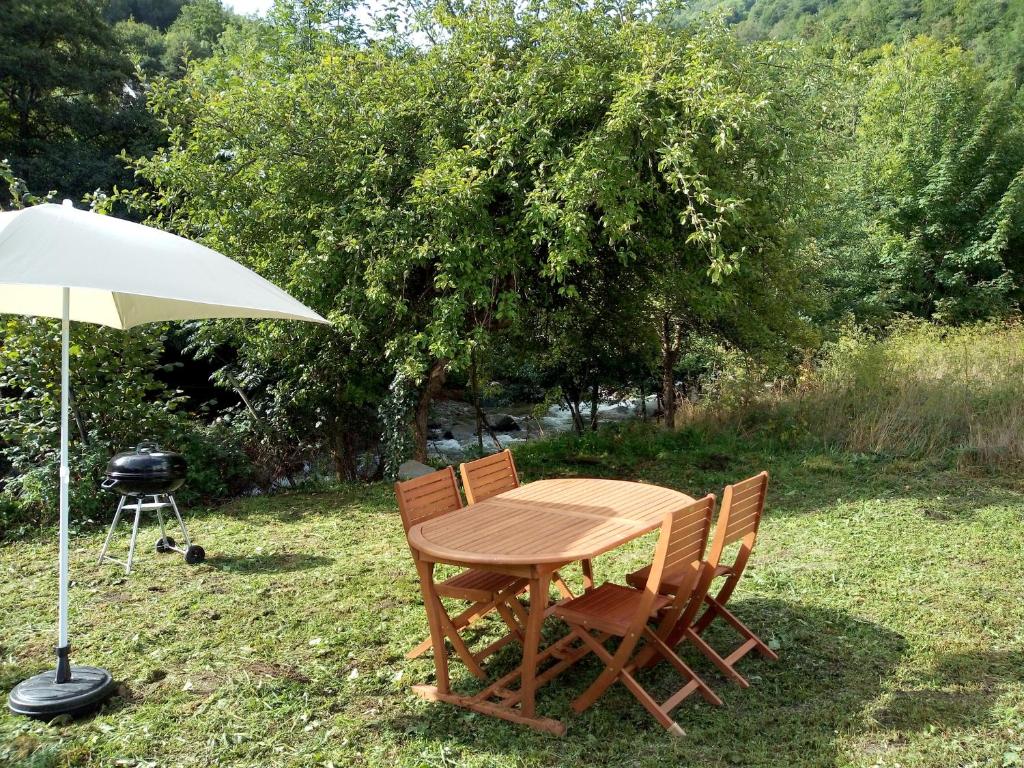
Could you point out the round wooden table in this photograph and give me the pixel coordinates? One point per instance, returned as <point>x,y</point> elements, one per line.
<point>530,532</point>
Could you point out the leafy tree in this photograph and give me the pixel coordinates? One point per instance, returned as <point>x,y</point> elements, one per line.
<point>193,34</point>
<point>679,155</point>
<point>425,197</point>
<point>61,100</point>
<point>993,31</point>
<point>143,44</point>
<point>159,14</point>
<point>938,176</point>
<point>261,175</point>
<point>579,348</point>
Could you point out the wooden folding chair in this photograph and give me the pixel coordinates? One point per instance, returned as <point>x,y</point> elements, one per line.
<point>496,474</point>
<point>626,612</point>
<point>429,496</point>
<point>738,521</point>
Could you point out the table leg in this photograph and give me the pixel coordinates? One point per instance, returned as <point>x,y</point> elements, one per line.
<point>539,585</point>
<point>431,604</point>
<point>515,705</point>
<point>588,575</point>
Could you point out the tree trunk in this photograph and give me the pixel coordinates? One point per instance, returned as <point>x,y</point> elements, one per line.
<point>475,391</point>
<point>669,357</point>
<point>343,455</point>
<point>572,400</point>
<point>435,380</point>
<point>593,407</point>
<point>643,403</point>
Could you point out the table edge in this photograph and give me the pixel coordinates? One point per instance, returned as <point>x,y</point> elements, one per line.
<point>424,547</point>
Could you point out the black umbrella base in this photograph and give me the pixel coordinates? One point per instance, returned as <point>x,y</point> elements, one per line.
<point>41,696</point>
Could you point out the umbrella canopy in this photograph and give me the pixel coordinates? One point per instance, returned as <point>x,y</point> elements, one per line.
<point>56,261</point>
<point>123,274</point>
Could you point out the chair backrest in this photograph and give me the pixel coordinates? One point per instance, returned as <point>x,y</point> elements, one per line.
<point>681,546</point>
<point>428,496</point>
<point>742,507</point>
<point>489,476</point>
<point>682,541</point>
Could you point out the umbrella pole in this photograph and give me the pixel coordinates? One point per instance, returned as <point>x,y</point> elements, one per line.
<point>70,690</point>
<point>63,663</point>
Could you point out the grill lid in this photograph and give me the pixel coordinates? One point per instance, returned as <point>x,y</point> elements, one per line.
<point>147,460</point>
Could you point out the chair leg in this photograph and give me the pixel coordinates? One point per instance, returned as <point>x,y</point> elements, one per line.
<point>611,673</point>
<point>463,620</point>
<point>727,664</point>
<point>608,676</point>
<point>650,704</point>
<point>420,649</point>
<point>510,620</point>
<point>494,647</point>
<point>751,640</point>
<point>458,643</point>
<point>502,603</point>
<point>563,588</point>
<point>519,611</point>
<point>724,667</point>
<point>744,630</point>
<point>705,619</point>
<point>694,681</point>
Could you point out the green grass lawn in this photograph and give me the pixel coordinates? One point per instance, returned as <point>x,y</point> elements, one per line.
<point>893,589</point>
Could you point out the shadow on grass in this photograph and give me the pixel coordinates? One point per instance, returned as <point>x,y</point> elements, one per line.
<point>282,562</point>
<point>959,691</point>
<point>831,667</point>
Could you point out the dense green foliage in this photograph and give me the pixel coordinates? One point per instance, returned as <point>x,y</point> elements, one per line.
<point>61,81</point>
<point>159,14</point>
<point>73,83</point>
<point>922,390</point>
<point>992,29</point>
<point>115,401</point>
<point>929,212</point>
<point>926,212</point>
<point>190,36</point>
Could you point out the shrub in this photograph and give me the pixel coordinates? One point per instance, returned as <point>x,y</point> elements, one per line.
<point>116,402</point>
<point>923,390</point>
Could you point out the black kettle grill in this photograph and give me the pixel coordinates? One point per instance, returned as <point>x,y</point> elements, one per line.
<point>147,472</point>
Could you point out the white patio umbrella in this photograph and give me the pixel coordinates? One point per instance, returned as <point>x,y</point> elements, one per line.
<point>57,261</point>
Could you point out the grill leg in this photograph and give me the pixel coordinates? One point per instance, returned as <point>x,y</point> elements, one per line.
<point>177,514</point>
<point>135,535</point>
<point>160,517</point>
<point>110,533</point>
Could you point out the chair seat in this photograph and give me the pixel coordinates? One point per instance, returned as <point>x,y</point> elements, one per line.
<point>609,608</point>
<point>477,586</point>
<point>670,581</point>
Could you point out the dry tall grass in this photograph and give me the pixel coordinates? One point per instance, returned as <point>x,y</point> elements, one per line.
<point>922,391</point>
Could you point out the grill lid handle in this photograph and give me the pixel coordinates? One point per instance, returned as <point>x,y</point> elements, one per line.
<point>147,446</point>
